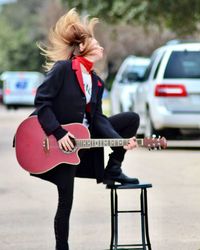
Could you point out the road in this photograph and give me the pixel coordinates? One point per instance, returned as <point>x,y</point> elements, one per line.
<point>28,204</point>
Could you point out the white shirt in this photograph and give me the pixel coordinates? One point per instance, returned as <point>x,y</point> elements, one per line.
<point>87,81</point>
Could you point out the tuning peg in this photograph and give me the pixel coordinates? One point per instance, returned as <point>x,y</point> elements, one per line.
<point>153,136</point>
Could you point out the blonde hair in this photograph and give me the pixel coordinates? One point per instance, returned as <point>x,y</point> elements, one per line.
<point>66,36</point>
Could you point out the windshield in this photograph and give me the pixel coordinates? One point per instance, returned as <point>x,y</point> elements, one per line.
<point>183,64</point>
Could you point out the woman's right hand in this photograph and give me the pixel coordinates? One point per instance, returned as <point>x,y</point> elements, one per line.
<point>66,143</point>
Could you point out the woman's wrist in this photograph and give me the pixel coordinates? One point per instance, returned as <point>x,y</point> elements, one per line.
<point>59,132</point>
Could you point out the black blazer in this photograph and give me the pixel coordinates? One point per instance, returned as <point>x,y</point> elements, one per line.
<point>61,100</point>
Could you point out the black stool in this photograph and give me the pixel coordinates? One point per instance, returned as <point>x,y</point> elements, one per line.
<point>143,213</point>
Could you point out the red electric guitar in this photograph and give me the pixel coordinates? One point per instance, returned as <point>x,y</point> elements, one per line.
<point>38,153</point>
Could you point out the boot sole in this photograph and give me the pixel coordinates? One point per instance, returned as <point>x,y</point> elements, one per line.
<point>108,182</point>
<point>112,182</point>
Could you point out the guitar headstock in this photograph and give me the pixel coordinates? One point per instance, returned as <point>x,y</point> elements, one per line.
<point>155,143</point>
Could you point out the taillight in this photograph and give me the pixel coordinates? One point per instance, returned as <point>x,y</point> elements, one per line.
<point>170,90</point>
<point>34,91</point>
<point>7,91</point>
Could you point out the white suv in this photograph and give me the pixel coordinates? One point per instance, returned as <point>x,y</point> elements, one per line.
<point>168,99</point>
<point>125,83</point>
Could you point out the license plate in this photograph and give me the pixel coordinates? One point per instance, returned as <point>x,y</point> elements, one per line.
<point>21,84</point>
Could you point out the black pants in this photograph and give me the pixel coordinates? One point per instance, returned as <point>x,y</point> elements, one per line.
<point>126,124</point>
<point>65,199</point>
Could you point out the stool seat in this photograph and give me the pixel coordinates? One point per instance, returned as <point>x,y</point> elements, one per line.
<point>129,186</point>
<point>145,244</point>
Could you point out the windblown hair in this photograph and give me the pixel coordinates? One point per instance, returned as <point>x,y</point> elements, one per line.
<point>66,36</point>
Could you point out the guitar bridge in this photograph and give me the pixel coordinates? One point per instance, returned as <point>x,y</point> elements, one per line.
<point>46,144</point>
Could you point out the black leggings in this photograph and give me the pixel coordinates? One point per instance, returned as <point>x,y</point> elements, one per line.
<point>65,199</point>
<point>126,124</point>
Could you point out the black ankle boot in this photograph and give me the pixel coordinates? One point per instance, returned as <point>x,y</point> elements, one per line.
<point>114,173</point>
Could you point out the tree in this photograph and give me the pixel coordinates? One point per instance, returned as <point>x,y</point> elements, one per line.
<point>181,16</point>
<point>18,36</point>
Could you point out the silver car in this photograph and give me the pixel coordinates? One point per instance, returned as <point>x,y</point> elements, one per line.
<point>125,83</point>
<point>168,99</point>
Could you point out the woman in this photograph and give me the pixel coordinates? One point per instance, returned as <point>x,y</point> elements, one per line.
<point>72,92</point>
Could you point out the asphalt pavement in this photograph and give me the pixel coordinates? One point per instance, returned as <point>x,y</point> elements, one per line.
<point>28,205</point>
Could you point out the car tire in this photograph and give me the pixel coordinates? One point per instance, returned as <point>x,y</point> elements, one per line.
<point>171,133</point>
<point>15,107</point>
<point>121,107</point>
<point>8,106</point>
<point>132,108</point>
<point>149,128</point>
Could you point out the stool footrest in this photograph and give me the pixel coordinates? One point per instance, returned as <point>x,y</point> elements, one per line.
<point>129,211</point>
<point>129,248</point>
<point>131,245</point>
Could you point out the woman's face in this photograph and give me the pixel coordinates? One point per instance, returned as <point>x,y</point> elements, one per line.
<point>96,51</point>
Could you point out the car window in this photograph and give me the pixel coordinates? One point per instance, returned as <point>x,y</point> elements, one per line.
<point>183,64</point>
<point>148,69</point>
<point>138,69</point>
<point>158,66</point>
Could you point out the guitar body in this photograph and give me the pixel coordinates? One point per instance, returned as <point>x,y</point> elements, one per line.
<point>37,153</point>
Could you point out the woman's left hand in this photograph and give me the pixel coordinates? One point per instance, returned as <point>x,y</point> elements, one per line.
<point>132,144</point>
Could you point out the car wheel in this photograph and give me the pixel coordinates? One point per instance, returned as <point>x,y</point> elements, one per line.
<point>15,107</point>
<point>172,133</point>
<point>149,129</point>
<point>8,106</point>
<point>121,108</point>
<point>132,108</point>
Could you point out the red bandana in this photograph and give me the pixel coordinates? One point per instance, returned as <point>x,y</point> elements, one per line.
<point>86,63</point>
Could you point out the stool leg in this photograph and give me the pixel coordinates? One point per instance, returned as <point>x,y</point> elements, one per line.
<point>116,221</point>
<point>112,218</point>
<point>142,219</point>
<point>146,219</point>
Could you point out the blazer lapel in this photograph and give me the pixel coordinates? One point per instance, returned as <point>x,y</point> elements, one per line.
<point>94,88</point>
<point>77,68</point>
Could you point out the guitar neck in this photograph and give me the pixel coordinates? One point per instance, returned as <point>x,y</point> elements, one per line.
<point>97,143</point>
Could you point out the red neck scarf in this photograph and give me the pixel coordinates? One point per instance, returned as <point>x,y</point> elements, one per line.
<point>86,63</point>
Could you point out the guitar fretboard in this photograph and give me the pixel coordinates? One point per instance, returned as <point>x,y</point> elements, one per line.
<point>96,143</point>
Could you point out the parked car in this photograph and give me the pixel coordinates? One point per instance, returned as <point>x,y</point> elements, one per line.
<point>168,98</point>
<point>1,91</point>
<point>19,88</point>
<point>106,102</point>
<point>125,83</point>
<point>1,95</point>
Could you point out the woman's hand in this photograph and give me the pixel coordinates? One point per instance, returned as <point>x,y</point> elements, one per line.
<point>131,144</point>
<point>66,143</point>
